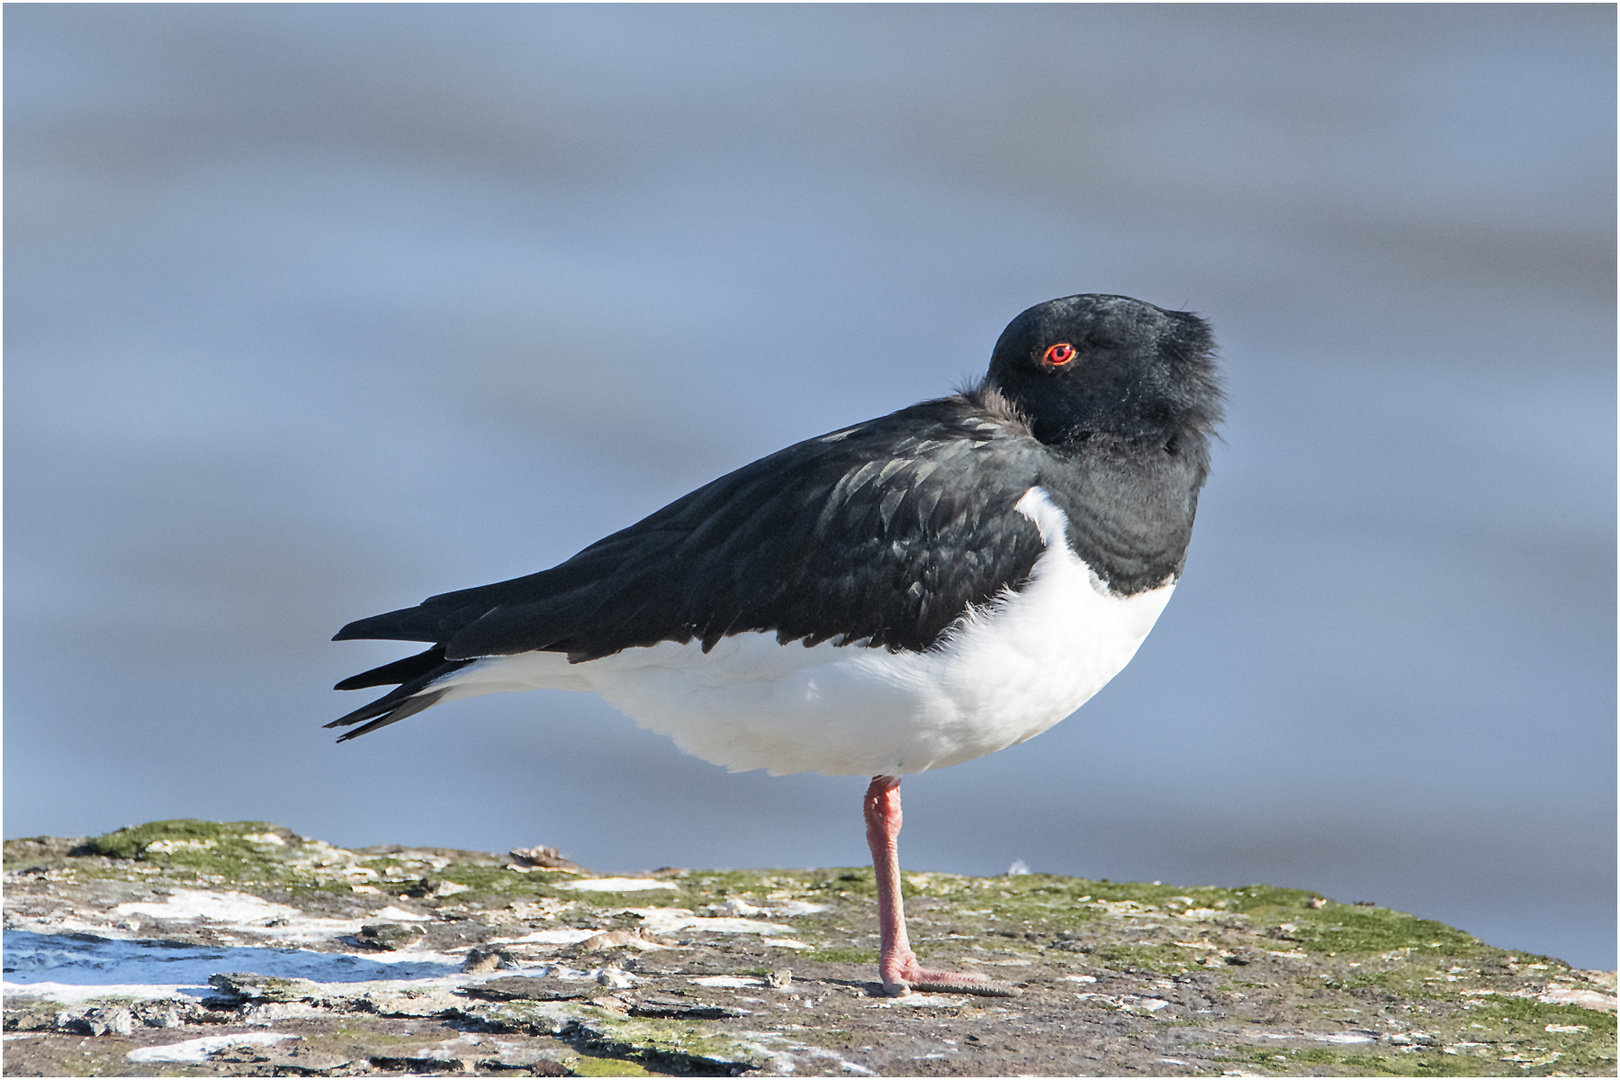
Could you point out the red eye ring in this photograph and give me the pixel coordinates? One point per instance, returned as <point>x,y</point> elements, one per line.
<point>1058,355</point>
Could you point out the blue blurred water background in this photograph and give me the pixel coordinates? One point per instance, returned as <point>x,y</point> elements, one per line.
<point>312,311</point>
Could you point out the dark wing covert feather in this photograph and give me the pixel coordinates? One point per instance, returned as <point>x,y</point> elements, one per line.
<point>882,533</point>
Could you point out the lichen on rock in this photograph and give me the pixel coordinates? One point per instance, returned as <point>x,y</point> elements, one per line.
<point>244,949</point>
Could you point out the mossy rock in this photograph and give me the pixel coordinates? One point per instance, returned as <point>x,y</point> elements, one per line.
<point>1116,976</point>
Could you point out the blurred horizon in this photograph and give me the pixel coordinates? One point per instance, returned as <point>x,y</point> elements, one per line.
<point>314,311</point>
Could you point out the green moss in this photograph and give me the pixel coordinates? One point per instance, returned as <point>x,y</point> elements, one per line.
<point>1264,900</point>
<point>132,842</point>
<point>856,881</point>
<point>1379,955</point>
<point>1425,1063</point>
<point>1342,929</point>
<point>724,883</point>
<point>1524,1021</point>
<point>486,879</point>
<point>1536,1014</point>
<point>1513,1032</point>
<point>665,1045</point>
<point>243,852</point>
<point>188,849</point>
<point>841,956</point>
<point>1405,980</point>
<point>754,886</point>
<point>1164,961</point>
<point>586,1065</point>
<point>1331,1062</point>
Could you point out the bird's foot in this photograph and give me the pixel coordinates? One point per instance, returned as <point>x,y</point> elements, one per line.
<point>902,978</point>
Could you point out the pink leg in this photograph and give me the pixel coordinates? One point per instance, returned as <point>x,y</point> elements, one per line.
<point>897,964</point>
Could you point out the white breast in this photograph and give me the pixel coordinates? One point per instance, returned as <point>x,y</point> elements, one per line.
<point>1004,673</point>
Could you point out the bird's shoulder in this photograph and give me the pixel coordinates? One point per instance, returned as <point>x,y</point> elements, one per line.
<point>941,444</point>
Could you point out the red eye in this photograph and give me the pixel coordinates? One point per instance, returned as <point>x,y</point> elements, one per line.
<point>1058,354</point>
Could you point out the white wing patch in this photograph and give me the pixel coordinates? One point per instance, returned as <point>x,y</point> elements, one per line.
<point>1003,673</point>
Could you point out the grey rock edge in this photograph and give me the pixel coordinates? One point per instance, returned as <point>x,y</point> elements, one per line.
<point>242,949</point>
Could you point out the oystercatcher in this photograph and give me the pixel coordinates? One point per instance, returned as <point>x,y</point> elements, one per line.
<point>900,595</point>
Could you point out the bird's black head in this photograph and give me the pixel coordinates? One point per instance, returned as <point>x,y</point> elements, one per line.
<point>1097,364</point>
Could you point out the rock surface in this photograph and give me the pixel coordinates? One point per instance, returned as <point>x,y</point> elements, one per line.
<point>198,948</point>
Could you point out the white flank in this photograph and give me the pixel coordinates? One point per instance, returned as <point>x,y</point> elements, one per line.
<point>1004,673</point>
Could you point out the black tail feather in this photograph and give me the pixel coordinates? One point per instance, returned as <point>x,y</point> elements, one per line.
<point>400,710</point>
<point>407,670</point>
<point>415,674</point>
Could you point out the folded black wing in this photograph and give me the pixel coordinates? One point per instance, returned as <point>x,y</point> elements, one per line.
<point>883,533</point>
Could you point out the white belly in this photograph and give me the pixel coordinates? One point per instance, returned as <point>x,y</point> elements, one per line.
<point>1006,672</point>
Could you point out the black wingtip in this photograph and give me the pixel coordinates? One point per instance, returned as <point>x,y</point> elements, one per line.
<point>391,714</point>
<point>411,668</point>
<point>356,631</point>
<point>416,676</point>
<point>406,624</point>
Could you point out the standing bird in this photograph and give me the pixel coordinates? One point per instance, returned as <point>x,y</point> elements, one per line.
<point>907,593</point>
